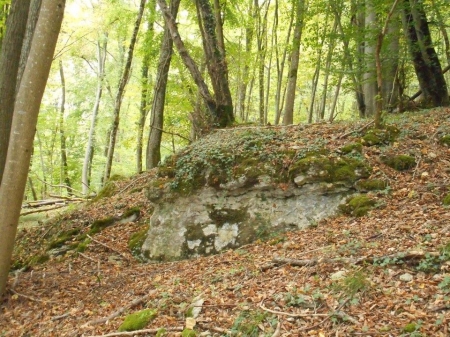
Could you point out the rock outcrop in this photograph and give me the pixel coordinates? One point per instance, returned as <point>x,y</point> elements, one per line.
<point>212,198</point>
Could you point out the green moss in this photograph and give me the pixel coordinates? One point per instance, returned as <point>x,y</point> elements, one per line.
<point>131,211</point>
<point>98,225</point>
<point>82,246</point>
<point>380,136</point>
<point>371,185</point>
<point>62,238</point>
<point>352,148</point>
<point>38,259</point>
<point>446,200</point>
<point>357,205</point>
<point>188,333</point>
<point>410,327</point>
<point>136,241</point>
<point>107,191</point>
<point>401,162</point>
<point>116,177</point>
<point>137,320</point>
<point>445,140</point>
<point>329,169</point>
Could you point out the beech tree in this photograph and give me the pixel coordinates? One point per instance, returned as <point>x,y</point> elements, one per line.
<point>23,127</point>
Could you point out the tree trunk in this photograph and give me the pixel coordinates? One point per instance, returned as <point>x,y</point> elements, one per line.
<point>89,153</point>
<point>9,65</point>
<point>159,95</point>
<point>261,38</point>
<point>145,85</point>
<point>243,84</point>
<point>24,122</point>
<point>288,117</point>
<point>369,76</point>
<point>62,136</point>
<point>120,93</point>
<point>217,65</point>
<point>189,62</point>
<point>425,60</point>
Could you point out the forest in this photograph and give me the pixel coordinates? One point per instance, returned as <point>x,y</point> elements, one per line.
<point>95,92</point>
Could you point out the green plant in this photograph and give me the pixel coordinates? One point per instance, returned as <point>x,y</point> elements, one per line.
<point>352,284</point>
<point>445,284</point>
<point>137,320</point>
<point>247,323</point>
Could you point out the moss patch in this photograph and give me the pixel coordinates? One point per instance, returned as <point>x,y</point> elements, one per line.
<point>352,148</point>
<point>98,225</point>
<point>401,162</point>
<point>380,136</point>
<point>357,205</point>
<point>107,191</point>
<point>137,320</point>
<point>365,185</point>
<point>136,241</point>
<point>446,200</point>
<point>445,140</point>
<point>63,237</point>
<point>330,169</point>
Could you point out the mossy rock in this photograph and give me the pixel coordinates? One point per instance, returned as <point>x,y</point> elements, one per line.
<point>380,136</point>
<point>358,205</point>
<point>401,162</point>
<point>166,172</point>
<point>445,140</point>
<point>131,211</point>
<point>138,320</point>
<point>98,225</point>
<point>63,237</point>
<point>136,241</point>
<point>352,148</point>
<point>446,200</point>
<point>410,327</point>
<point>329,169</point>
<point>366,185</point>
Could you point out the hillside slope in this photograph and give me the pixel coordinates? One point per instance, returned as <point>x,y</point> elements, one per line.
<point>384,273</point>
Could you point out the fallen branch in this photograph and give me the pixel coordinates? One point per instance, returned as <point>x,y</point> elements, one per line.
<point>139,332</point>
<point>358,130</point>
<point>42,210</point>
<point>365,259</point>
<point>110,248</point>
<point>120,311</point>
<point>289,314</point>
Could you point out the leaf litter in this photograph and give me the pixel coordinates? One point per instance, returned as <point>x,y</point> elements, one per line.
<point>399,287</point>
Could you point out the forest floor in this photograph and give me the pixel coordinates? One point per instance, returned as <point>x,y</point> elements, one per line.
<point>383,274</point>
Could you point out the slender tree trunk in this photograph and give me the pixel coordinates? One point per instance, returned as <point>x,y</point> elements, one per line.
<point>89,153</point>
<point>315,81</point>
<point>330,52</point>
<point>120,93</point>
<point>335,99</point>
<point>249,32</point>
<point>9,65</point>
<point>62,135</point>
<point>443,29</point>
<point>145,89</point>
<point>280,65</point>
<point>288,117</point>
<point>159,95</point>
<point>369,75</point>
<point>23,128</point>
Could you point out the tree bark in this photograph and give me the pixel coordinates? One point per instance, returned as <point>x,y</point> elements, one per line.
<point>425,60</point>
<point>369,75</point>
<point>9,65</point>
<point>212,37</point>
<point>120,93</point>
<point>62,135</point>
<point>188,61</point>
<point>89,153</point>
<point>24,122</point>
<point>288,117</point>
<point>159,95</point>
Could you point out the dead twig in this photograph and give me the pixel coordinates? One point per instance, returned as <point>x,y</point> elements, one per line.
<point>110,248</point>
<point>30,297</point>
<point>358,130</point>
<point>289,314</point>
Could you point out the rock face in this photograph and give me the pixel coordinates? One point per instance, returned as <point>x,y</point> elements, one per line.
<point>233,188</point>
<point>214,220</point>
